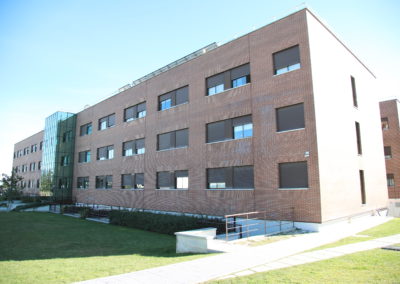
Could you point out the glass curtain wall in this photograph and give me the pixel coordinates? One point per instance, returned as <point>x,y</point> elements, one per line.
<point>58,156</point>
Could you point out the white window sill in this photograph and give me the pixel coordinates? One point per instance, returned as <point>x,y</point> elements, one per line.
<point>134,119</point>
<point>133,189</point>
<point>227,189</point>
<point>295,188</point>
<point>172,149</point>
<point>291,130</point>
<point>208,143</point>
<point>167,189</point>
<point>133,155</point>
<point>224,91</point>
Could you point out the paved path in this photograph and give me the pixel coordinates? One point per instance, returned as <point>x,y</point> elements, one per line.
<point>214,267</point>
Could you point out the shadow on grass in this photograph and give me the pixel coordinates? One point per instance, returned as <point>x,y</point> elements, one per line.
<point>34,236</point>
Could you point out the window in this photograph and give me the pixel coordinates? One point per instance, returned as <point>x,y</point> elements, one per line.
<point>241,177</point>
<point>103,182</point>
<point>105,153</point>
<point>234,128</point>
<point>286,60</point>
<point>107,122</point>
<point>174,139</point>
<point>86,129</point>
<point>233,78</point>
<point>174,98</point>
<point>39,165</point>
<point>64,160</point>
<point>385,123</point>
<point>358,134</point>
<point>390,179</point>
<point>388,152</point>
<point>41,145</point>
<point>362,187</point>
<point>38,183</point>
<point>132,181</point>
<point>67,136</point>
<point>133,147</point>
<point>84,157</point>
<point>83,182</point>
<point>173,180</point>
<point>32,167</point>
<point>353,88</point>
<point>33,148</point>
<point>290,117</point>
<point>293,175</point>
<point>135,112</point>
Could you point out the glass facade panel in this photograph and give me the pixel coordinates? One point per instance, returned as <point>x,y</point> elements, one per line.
<point>56,180</point>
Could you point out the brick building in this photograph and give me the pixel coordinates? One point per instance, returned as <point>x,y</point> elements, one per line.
<point>391,141</point>
<point>282,119</point>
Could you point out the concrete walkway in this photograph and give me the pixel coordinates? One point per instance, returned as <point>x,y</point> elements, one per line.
<point>255,258</point>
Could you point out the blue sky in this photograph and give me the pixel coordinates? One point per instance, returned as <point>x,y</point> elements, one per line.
<point>63,55</point>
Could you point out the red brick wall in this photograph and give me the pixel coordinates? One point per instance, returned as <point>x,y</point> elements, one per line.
<point>391,137</point>
<point>265,150</point>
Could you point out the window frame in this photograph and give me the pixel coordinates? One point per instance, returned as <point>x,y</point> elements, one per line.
<point>287,68</point>
<point>135,149</point>
<point>229,182</point>
<point>108,149</point>
<point>280,175</point>
<point>279,116</point>
<point>174,178</point>
<point>229,126</point>
<point>390,177</point>
<point>107,120</point>
<point>86,129</point>
<point>136,112</point>
<point>172,139</point>
<point>105,179</point>
<point>171,96</point>
<point>84,181</point>
<point>385,123</point>
<point>86,155</point>
<point>226,79</point>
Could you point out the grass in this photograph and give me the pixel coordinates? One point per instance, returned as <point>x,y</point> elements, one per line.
<point>391,227</point>
<point>48,248</point>
<point>374,266</point>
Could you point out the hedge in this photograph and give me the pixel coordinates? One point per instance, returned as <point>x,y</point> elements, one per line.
<point>164,223</point>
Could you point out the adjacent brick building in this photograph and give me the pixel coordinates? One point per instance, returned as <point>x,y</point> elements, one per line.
<point>391,141</point>
<point>282,119</point>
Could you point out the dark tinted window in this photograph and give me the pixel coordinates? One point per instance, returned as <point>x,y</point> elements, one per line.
<point>234,128</point>
<point>230,177</point>
<point>290,117</point>
<point>127,181</point>
<point>173,98</point>
<point>293,175</point>
<point>134,112</point>
<point>358,134</point>
<point>174,139</point>
<point>353,88</point>
<point>232,78</point>
<point>286,60</point>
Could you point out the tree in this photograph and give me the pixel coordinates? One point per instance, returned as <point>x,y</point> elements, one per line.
<point>11,188</point>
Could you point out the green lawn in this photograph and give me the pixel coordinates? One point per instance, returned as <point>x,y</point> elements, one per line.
<point>391,227</point>
<point>50,248</point>
<point>374,266</point>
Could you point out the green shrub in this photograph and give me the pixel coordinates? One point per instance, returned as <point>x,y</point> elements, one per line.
<point>163,223</point>
<point>84,212</point>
